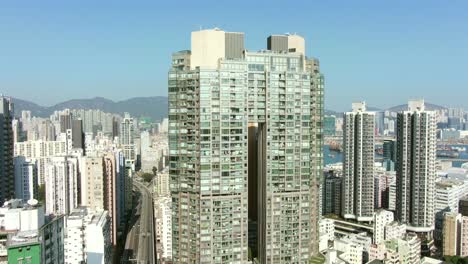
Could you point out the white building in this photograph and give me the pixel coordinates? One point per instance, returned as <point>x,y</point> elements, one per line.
<point>74,243</point>
<point>19,216</point>
<point>404,250</point>
<point>448,193</point>
<point>349,252</point>
<point>87,235</point>
<point>358,165</point>
<point>162,184</point>
<point>98,239</point>
<point>416,156</point>
<point>392,192</point>
<point>327,233</point>
<point>62,175</point>
<point>127,137</point>
<point>164,226</point>
<point>381,219</point>
<point>164,126</point>
<point>394,230</point>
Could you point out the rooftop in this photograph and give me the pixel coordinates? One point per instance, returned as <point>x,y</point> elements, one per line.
<point>22,238</point>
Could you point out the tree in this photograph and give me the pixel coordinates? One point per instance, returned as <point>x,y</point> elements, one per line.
<point>41,193</point>
<point>147,176</point>
<point>155,170</point>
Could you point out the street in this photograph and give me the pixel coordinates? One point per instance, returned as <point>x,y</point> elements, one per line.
<point>139,246</point>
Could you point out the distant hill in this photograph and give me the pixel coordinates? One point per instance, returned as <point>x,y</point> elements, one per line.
<point>154,107</point>
<point>427,106</point>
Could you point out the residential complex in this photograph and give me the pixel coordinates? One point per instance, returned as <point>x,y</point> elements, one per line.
<point>416,155</point>
<point>244,132</point>
<point>358,164</point>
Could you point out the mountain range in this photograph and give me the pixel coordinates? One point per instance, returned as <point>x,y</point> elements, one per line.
<point>154,107</point>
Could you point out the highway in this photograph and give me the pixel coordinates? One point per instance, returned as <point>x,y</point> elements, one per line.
<point>140,243</point>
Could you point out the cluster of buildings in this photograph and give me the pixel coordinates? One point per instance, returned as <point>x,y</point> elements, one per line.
<point>452,122</point>
<point>74,171</point>
<point>396,210</point>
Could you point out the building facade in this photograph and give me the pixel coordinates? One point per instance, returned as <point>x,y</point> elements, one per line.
<point>7,175</point>
<point>214,100</point>
<point>358,165</point>
<point>26,182</point>
<point>62,176</point>
<point>127,137</point>
<point>416,156</point>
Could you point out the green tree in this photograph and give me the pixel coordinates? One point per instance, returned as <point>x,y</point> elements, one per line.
<point>41,193</point>
<point>155,170</point>
<point>147,176</point>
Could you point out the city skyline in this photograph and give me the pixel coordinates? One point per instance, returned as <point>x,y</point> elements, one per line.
<point>68,57</point>
<point>290,133</point>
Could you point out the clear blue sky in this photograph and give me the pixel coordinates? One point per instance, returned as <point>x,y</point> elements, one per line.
<point>384,52</point>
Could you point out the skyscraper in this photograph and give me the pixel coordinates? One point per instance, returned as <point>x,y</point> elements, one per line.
<point>65,118</point>
<point>61,181</point>
<point>26,182</point>
<point>127,137</point>
<point>358,165</point>
<point>77,134</point>
<point>416,155</point>
<point>7,175</point>
<point>218,93</point>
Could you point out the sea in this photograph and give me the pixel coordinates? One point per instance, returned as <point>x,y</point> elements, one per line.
<point>331,157</point>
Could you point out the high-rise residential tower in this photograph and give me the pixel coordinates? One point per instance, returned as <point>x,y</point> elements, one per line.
<point>61,183</point>
<point>127,137</point>
<point>7,175</point>
<point>358,165</point>
<point>415,168</point>
<point>245,142</point>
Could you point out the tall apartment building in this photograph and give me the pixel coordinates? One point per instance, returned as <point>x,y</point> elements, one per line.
<point>92,183</point>
<point>332,191</point>
<point>464,237</point>
<point>98,242</point>
<point>62,185</point>
<point>416,156</point>
<point>87,237</point>
<point>78,134</point>
<point>358,165</point>
<point>163,227</point>
<point>65,120</point>
<point>74,241</point>
<point>26,183</point>
<point>451,234</point>
<point>104,188</point>
<point>245,136</point>
<point>111,193</point>
<point>7,175</point>
<point>127,137</point>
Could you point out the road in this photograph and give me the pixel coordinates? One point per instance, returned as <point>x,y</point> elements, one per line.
<point>139,246</point>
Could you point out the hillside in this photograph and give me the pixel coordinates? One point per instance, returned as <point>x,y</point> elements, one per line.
<point>154,107</point>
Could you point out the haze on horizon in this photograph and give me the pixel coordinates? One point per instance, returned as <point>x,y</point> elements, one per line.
<point>382,52</point>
